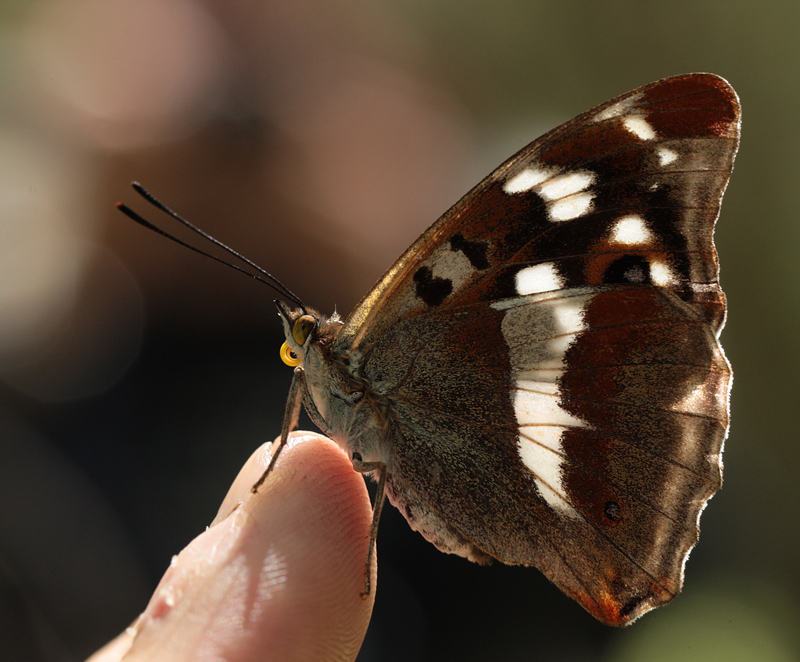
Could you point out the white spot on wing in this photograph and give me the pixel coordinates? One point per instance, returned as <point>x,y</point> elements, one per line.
<point>536,403</point>
<point>527,179</point>
<point>661,274</point>
<point>569,322</point>
<point>572,207</point>
<point>566,184</point>
<point>542,421</point>
<point>639,127</point>
<point>450,265</point>
<point>569,317</point>
<point>547,436</point>
<point>545,464</point>
<point>630,230</point>
<point>538,278</point>
<point>666,156</point>
<point>564,192</point>
<point>617,109</point>
<point>538,330</point>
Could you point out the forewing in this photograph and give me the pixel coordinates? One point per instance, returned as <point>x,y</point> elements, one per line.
<point>663,152</point>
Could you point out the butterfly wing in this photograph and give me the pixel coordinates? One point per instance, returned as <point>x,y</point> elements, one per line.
<point>547,351</point>
<point>667,148</point>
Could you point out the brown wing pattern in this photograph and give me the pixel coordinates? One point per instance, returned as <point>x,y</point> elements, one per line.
<point>559,397</point>
<point>466,253</point>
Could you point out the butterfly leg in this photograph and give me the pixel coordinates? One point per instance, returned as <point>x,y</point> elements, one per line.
<point>290,418</point>
<point>377,508</point>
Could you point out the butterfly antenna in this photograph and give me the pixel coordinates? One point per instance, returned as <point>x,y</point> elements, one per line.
<point>264,277</point>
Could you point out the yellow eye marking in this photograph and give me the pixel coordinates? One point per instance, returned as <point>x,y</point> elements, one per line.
<point>288,356</point>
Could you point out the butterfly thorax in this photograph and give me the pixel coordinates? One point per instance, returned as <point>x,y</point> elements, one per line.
<point>336,396</point>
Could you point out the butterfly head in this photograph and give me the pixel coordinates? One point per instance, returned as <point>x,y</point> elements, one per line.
<point>304,328</point>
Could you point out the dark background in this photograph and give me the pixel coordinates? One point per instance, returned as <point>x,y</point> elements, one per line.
<point>320,138</point>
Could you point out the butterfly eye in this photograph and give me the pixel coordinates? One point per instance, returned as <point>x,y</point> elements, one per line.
<point>302,328</point>
<point>288,356</point>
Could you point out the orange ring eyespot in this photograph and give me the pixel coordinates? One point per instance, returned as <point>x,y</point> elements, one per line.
<point>288,356</point>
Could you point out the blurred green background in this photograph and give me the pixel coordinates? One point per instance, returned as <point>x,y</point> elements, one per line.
<point>320,138</point>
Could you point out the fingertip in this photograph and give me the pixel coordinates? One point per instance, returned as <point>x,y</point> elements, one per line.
<point>280,573</point>
<point>319,510</point>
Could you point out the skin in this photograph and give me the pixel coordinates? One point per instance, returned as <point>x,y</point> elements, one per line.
<point>278,575</point>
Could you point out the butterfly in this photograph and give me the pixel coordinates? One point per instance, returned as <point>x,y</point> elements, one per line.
<point>538,379</point>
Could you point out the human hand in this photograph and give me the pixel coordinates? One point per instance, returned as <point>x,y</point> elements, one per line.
<point>278,578</point>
